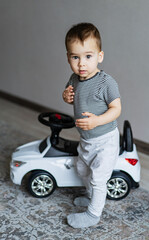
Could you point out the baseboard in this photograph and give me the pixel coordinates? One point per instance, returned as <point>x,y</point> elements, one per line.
<point>25,103</point>
<point>141,146</point>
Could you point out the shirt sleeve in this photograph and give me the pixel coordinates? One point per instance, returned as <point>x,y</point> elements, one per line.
<point>70,82</point>
<point>111,91</point>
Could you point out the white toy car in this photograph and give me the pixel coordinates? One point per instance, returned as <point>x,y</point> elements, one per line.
<point>50,162</point>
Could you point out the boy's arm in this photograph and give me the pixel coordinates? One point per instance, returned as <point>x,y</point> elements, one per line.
<point>68,95</point>
<point>92,121</point>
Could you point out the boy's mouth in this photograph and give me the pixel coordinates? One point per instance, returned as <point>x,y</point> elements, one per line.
<point>82,71</point>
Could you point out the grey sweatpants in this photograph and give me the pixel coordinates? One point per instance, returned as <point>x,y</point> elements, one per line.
<point>96,160</point>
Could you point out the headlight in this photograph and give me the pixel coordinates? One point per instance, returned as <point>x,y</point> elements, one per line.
<point>18,163</point>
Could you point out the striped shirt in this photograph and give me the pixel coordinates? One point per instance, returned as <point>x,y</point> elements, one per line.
<point>94,95</point>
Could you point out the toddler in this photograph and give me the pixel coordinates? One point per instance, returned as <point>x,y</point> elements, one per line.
<point>96,100</point>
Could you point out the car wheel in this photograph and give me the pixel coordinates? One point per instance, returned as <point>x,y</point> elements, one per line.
<point>118,186</point>
<point>41,184</point>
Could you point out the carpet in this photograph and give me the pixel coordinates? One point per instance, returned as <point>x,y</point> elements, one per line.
<point>23,217</point>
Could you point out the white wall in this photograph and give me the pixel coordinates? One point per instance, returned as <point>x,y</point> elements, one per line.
<point>33,62</point>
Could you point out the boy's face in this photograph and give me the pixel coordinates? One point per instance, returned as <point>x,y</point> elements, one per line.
<point>84,58</point>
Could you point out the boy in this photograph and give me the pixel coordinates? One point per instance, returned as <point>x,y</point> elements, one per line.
<point>96,100</point>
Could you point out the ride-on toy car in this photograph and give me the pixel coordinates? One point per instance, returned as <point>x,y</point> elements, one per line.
<point>50,162</point>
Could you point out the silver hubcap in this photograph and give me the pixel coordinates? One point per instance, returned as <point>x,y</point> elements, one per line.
<point>117,187</point>
<point>42,185</point>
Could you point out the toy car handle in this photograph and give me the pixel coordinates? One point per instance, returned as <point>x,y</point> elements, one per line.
<point>56,120</point>
<point>127,137</point>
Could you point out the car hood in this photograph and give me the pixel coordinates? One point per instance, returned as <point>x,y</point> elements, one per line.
<point>28,150</point>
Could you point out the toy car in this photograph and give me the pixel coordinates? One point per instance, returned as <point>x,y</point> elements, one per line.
<point>50,162</point>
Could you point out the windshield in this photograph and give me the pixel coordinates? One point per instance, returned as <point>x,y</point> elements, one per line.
<point>43,145</point>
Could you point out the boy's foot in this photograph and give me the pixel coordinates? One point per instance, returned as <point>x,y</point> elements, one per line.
<point>82,220</point>
<point>81,201</point>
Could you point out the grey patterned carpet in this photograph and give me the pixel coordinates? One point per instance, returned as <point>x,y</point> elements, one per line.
<point>23,217</point>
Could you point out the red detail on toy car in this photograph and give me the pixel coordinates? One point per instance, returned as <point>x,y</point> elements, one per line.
<point>58,116</point>
<point>132,161</point>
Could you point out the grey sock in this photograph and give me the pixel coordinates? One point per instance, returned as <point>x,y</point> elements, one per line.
<point>81,201</point>
<point>82,220</point>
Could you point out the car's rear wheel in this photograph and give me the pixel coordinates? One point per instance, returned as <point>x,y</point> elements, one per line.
<point>41,184</point>
<point>118,186</point>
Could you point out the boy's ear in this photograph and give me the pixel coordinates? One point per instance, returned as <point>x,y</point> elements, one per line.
<point>101,57</point>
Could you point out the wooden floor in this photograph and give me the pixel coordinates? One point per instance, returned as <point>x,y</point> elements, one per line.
<point>24,118</point>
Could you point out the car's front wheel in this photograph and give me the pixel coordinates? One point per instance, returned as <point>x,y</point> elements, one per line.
<point>41,184</point>
<point>118,186</point>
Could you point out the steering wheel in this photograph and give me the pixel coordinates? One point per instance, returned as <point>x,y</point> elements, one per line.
<point>56,120</point>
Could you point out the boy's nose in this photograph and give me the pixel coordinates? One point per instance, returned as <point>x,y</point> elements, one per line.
<point>81,62</point>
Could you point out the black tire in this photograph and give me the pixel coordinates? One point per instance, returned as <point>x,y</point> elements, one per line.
<point>41,184</point>
<point>118,186</point>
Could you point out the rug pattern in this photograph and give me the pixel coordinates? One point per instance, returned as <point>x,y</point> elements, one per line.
<point>27,218</point>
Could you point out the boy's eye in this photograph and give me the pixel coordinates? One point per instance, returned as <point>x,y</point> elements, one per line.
<point>88,56</point>
<point>74,57</point>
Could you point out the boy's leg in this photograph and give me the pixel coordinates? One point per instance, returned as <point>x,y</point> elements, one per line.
<point>102,166</point>
<point>108,156</point>
<point>85,174</point>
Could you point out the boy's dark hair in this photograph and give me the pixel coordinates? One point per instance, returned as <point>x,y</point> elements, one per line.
<point>81,32</point>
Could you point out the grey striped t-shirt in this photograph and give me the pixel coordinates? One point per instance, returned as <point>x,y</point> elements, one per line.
<point>93,95</point>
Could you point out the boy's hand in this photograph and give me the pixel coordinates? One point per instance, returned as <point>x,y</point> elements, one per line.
<point>88,123</point>
<point>68,94</point>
